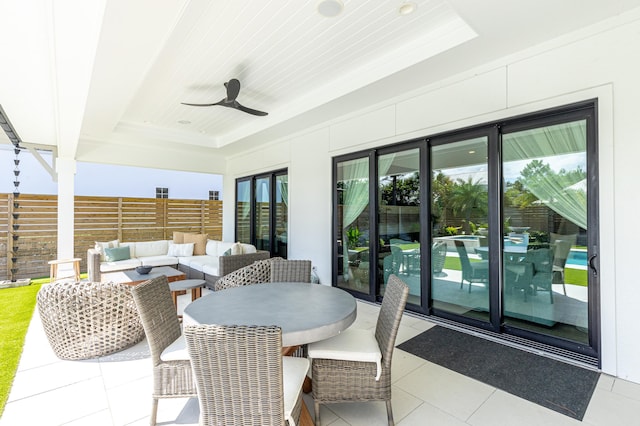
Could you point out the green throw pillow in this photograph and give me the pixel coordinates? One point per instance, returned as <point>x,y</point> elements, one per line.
<point>227,253</point>
<point>117,253</point>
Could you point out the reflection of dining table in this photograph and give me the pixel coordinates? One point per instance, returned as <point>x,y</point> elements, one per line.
<point>305,312</point>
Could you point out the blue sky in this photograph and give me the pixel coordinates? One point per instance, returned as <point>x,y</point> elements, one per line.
<point>106,180</point>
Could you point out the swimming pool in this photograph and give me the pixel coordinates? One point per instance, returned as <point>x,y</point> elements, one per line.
<point>577,257</point>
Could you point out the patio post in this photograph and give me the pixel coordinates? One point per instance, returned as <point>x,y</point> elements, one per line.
<point>66,170</point>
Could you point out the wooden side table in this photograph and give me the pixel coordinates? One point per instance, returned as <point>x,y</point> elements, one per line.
<point>53,273</point>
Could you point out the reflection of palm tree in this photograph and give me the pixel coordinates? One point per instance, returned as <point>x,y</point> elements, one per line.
<point>467,196</point>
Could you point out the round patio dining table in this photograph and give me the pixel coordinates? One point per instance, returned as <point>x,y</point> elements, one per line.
<point>305,312</point>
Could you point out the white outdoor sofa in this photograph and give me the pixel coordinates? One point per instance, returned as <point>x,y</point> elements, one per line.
<point>210,266</point>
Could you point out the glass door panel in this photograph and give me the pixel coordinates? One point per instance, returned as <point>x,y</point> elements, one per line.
<point>281,215</point>
<point>262,215</point>
<point>459,219</point>
<point>545,240</point>
<point>399,220</point>
<point>352,186</point>
<point>243,211</point>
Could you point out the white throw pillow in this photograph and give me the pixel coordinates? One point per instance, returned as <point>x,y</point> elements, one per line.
<point>236,248</point>
<point>100,246</point>
<point>248,248</point>
<point>181,250</point>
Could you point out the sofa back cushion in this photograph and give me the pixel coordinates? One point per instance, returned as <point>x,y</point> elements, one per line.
<point>212,248</point>
<point>223,246</point>
<point>218,248</point>
<point>151,248</point>
<point>180,250</point>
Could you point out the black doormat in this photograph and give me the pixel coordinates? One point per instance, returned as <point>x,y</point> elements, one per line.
<point>556,385</point>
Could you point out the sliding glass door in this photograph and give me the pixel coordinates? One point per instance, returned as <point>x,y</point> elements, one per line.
<point>352,238</point>
<point>460,281</point>
<point>506,226</point>
<point>399,250</point>
<point>262,211</point>
<point>546,240</point>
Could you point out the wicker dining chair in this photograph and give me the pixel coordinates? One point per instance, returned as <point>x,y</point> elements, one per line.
<point>291,271</point>
<point>345,376</point>
<point>258,272</point>
<point>237,278</point>
<point>172,378</point>
<point>241,377</point>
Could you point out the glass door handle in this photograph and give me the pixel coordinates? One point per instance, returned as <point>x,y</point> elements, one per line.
<point>592,264</point>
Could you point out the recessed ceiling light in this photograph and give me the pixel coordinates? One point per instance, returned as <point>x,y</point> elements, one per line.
<point>472,152</point>
<point>184,122</point>
<point>330,8</point>
<point>407,8</point>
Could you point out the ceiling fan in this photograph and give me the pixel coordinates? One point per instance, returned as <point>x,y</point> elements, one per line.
<point>233,88</point>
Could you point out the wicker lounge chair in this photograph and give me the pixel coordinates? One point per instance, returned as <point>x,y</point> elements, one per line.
<point>172,376</point>
<point>88,319</point>
<point>358,363</point>
<point>241,377</point>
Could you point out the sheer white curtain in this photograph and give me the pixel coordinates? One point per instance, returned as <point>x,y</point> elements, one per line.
<point>284,189</point>
<point>244,194</point>
<point>565,197</point>
<point>355,177</point>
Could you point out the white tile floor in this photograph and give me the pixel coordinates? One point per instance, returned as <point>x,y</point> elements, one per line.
<point>115,390</point>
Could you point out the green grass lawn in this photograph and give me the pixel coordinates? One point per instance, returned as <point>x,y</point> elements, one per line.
<point>16,309</point>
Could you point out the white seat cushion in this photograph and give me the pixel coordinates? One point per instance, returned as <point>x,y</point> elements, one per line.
<point>211,269</point>
<point>176,351</point>
<point>294,371</point>
<point>159,260</point>
<point>119,265</point>
<point>351,345</point>
<point>199,262</point>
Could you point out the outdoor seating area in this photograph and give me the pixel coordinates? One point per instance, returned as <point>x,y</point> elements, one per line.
<point>196,255</point>
<point>265,213</point>
<point>115,390</point>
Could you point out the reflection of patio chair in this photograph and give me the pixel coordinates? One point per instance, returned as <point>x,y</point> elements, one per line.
<point>438,256</point>
<point>473,272</point>
<point>392,262</point>
<point>562,245</point>
<point>542,260</point>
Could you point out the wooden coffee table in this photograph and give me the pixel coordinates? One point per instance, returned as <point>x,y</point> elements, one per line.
<point>131,277</point>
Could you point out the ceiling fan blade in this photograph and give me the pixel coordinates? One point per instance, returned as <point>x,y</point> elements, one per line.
<point>199,105</point>
<point>249,110</point>
<point>233,88</point>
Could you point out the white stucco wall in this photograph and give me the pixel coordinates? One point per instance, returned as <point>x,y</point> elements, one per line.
<point>600,62</point>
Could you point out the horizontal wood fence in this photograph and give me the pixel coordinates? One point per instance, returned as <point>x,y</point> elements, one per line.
<point>29,226</point>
